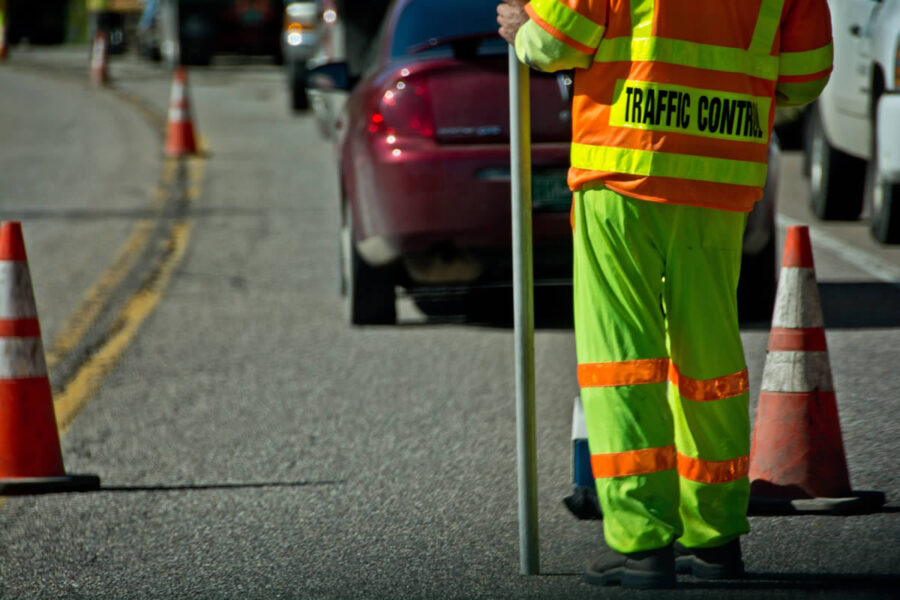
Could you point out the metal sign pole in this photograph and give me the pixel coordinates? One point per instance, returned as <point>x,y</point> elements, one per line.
<point>523,302</point>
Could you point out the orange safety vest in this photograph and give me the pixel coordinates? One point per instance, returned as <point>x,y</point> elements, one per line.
<point>674,100</point>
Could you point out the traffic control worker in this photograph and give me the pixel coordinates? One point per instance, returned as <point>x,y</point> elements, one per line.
<point>673,108</point>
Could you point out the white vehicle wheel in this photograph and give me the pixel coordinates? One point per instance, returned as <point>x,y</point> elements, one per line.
<point>836,179</point>
<point>886,212</point>
<point>369,291</point>
<point>884,198</point>
<point>297,87</point>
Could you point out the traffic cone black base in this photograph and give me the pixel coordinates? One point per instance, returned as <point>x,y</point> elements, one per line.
<point>26,486</point>
<point>860,502</point>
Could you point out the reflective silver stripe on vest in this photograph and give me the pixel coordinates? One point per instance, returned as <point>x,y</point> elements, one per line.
<point>755,60</point>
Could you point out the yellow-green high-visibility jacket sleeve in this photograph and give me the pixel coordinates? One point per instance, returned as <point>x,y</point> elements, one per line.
<point>97,5</point>
<point>806,53</point>
<point>561,35</point>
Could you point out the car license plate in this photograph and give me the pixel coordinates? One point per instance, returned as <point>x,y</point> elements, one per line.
<point>550,191</point>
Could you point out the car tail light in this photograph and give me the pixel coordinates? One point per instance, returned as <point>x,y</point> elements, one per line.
<point>404,109</point>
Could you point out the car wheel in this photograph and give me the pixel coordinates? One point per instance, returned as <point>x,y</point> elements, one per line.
<point>756,287</point>
<point>884,199</point>
<point>369,291</point>
<point>196,41</point>
<point>297,83</point>
<point>836,179</point>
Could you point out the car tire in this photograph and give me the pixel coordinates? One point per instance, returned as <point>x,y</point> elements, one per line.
<point>195,53</point>
<point>884,199</point>
<point>196,40</point>
<point>885,223</point>
<point>297,85</point>
<point>757,284</point>
<point>836,179</point>
<point>369,294</point>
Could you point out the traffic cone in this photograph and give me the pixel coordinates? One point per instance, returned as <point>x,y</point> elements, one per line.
<point>30,455</point>
<point>180,131</point>
<point>797,461</point>
<point>99,51</point>
<point>583,502</point>
<point>3,42</point>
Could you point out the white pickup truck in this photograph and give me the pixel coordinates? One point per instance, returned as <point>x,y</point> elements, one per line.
<point>853,129</point>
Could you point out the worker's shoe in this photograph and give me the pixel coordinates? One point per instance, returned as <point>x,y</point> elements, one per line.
<point>646,569</point>
<point>720,562</point>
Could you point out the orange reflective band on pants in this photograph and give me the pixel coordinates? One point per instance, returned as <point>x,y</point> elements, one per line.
<point>705,390</point>
<point>657,370</point>
<point>626,372</point>
<point>713,471</point>
<point>633,462</point>
<point>654,460</point>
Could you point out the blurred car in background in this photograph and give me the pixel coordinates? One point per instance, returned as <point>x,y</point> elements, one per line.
<point>38,22</point>
<point>299,42</point>
<point>423,151</point>
<point>191,32</point>
<point>346,31</point>
<point>852,146</point>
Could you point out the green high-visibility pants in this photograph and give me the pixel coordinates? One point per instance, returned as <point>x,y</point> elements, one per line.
<point>661,368</point>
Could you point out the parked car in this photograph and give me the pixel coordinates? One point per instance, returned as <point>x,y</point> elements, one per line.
<point>423,151</point>
<point>193,31</point>
<point>38,22</point>
<point>852,146</point>
<point>299,43</point>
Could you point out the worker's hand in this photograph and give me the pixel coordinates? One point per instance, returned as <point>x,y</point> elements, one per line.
<point>511,15</point>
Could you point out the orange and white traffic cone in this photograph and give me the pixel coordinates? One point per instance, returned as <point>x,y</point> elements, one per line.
<point>3,42</point>
<point>797,461</point>
<point>180,130</point>
<point>99,52</point>
<point>30,455</point>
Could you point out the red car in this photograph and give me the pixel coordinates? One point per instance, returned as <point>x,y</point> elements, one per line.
<point>424,152</point>
<point>424,163</point>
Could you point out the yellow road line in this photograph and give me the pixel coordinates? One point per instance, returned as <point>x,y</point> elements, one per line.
<point>94,299</point>
<point>79,390</point>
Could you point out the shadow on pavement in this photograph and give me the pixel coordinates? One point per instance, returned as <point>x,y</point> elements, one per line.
<point>853,305</point>
<point>856,305</point>
<point>801,581</point>
<point>845,305</point>
<point>216,486</point>
<point>493,307</point>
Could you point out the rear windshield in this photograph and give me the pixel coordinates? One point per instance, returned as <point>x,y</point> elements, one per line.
<point>434,21</point>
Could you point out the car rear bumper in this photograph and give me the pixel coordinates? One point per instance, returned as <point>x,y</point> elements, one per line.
<point>450,201</point>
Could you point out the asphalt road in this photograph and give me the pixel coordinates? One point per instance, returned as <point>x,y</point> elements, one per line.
<point>253,445</point>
